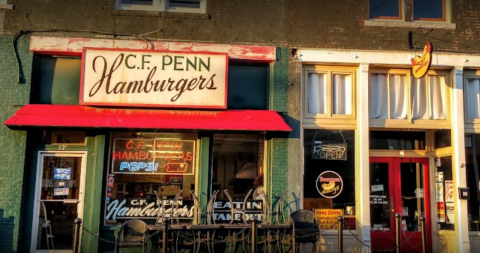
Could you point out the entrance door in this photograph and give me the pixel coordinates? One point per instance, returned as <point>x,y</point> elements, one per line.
<point>58,200</point>
<point>398,186</point>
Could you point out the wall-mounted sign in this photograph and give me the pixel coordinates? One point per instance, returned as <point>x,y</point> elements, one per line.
<point>329,184</point>
<point>223,210</point>
<point>154,79</point>
<point>119,210</point>
<point>421,64</point>
<point>153,156</point>
<point>329,151</point>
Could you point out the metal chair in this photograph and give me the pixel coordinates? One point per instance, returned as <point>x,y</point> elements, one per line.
<point>305,228</point>
<point>48,228</point>
<point>132,234</point>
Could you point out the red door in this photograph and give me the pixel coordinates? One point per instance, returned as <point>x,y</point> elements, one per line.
<point>398,186</point>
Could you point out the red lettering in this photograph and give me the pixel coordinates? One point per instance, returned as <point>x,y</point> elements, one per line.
<point>116,155</point>
<point>129,144</point>
<point>141,145</point>
<point>124,155</point>
<point>132,155</point>
<point>189,156</point>
<point>141,155</point>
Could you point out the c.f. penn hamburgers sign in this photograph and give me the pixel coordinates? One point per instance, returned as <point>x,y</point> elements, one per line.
<point>154,79</point>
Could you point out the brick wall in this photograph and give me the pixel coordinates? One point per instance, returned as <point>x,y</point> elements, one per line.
<point>306,23</point>
<point>12,150</point>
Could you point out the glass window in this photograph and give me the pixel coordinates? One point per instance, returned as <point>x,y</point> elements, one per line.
<point>237,163</point>
<point>428,96</point>
<point>153,172</point>
<point>397,140</point>
<point>158,5</point>
<point>429,9</point>
<point>385,9</point>
<point>184,3</point>
<point>329,92</point>
<point>444,195</point>
<point>443,139</point>
<point>329,178</point>
<point>472,155</point>
<point>473,98</point>
<point>342,94</point>
<point>58,82</point>
<point>317,93</point>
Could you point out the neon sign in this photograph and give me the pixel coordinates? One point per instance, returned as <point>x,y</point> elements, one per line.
<point>158,156</point>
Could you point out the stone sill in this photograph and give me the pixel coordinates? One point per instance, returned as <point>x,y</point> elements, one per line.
<point>417,24</point>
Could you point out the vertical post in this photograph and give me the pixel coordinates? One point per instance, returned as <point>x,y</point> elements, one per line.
<point>424,234</point>
<point>165,235</point>
<point>340,234</point>
<point>398,234</point>
<point>254,235</point>
<point>76,236</point>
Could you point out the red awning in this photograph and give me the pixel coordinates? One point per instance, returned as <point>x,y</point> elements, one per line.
<point>82,116</point>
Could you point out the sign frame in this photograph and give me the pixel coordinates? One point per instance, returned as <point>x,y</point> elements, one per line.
<point>421,64</point>
<point>150,105</point>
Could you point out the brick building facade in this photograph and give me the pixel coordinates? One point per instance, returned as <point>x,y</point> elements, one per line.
<point>316,36</point>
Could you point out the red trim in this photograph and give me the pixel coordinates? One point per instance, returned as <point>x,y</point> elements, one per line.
<point>82,81</point>
<point>83,116</point>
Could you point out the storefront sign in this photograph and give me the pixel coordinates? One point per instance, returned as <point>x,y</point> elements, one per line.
<point>421,65</point>
<point>223,210</point>
<point>157,156</point>
<point>154,79</point>
<point>125,209</point>
<point>328,218</point>
<point>329,184</point>
<point>330,151</point>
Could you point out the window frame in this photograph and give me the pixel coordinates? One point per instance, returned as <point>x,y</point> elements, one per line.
<point>470,74</point>
<point>160,5</point>
<point>329,71</point>
<point>403,17</point>
<point>409,121</point>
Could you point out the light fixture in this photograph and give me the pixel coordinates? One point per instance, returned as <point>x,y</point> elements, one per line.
<point>402,154</point>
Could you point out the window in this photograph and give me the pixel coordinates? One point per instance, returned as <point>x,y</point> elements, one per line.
<point>329,178</point>
<point>409,10</point>
<point>237,163</point>
<point>330,92</point>
<point>196,6</point>
<point>472,97</point>
<point>150,176</point>
<point>396,95</point>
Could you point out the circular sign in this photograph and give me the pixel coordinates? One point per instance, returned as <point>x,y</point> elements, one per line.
<point>329,184</point>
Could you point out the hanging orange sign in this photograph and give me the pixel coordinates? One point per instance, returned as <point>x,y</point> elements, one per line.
<point>421,65</point>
